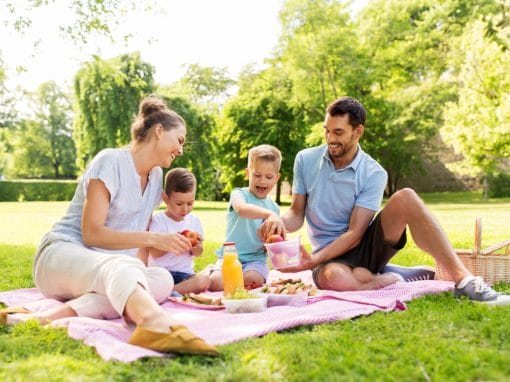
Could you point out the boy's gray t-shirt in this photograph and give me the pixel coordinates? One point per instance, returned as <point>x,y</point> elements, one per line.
<point>129,210</point>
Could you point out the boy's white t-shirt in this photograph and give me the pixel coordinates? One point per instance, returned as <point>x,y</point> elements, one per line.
<point>177,263</point>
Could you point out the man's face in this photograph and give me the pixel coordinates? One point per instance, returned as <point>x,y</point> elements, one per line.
<point>341,138</point>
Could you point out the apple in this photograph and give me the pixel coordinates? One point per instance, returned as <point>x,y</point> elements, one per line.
<point>191,235</point>
<point>274,239</point>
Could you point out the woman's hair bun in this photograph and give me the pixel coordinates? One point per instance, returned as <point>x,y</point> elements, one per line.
<point>153,111</point>
<point>151,105</point>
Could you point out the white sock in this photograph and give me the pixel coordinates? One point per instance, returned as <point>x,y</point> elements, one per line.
<point>464,281</point>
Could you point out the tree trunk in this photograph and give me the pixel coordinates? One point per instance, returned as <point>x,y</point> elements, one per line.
<point>55,168</point>
<point>485,187</point>
<point>278,192</point>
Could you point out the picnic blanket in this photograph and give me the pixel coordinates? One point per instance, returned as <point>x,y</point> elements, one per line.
<point>218,327</point>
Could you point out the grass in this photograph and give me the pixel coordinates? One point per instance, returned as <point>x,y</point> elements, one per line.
<point>437,339</point>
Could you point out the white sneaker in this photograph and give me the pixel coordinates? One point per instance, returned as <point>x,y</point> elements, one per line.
<point>477,290</point>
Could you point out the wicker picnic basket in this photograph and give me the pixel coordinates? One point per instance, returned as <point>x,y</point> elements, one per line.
<point>492,264</point>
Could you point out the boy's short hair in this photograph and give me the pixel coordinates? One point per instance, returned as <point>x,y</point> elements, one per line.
<point>180,180</point>
<point>265,152</point>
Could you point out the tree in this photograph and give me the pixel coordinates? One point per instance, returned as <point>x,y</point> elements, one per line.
<point>88,18</point>
<point>107,95</point>
<point>408,45</point>
<point>321,54</point>
<point>199,95</point>
<point>53,112</point>
<point>477,124</point>
<point>262,112</point>
<point>199,151</point>
<point>204,85</point>
<point>42,146</point>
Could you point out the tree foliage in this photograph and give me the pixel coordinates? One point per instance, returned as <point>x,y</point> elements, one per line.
<point>205,85</point>
<point>42,145</point>
<point>87,18</point>
<point>107,95</point>
<point>408,46</point>
<point>477,124</point>
<point>262,112</point>
<point>199,148</point>
<point>321,54</point>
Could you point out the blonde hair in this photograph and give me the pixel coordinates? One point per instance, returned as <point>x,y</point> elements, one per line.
<point>264,152</point>
<point>154,111</point>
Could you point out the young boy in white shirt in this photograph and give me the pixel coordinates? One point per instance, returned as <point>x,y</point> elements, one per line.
<point>179,197</point>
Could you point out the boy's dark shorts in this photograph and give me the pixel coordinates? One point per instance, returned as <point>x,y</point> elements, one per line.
<point>179,277</point>
<point>372,252</point>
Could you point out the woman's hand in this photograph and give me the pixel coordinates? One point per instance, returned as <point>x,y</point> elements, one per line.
<point>171,242</point>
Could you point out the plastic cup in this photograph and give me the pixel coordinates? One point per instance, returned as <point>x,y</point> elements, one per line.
<point>284,254</point>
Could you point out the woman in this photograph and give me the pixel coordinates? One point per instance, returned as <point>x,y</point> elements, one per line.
<point>83,259</point>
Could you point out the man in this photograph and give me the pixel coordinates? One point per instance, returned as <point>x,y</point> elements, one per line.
<point>339,189</point>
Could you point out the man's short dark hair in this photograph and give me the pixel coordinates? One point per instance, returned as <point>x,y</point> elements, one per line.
<point>350,106</point>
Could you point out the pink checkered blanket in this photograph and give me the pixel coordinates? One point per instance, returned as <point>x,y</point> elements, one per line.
<point>218,327</point>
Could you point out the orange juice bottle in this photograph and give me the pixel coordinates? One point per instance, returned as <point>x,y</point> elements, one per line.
<point>231,270</point>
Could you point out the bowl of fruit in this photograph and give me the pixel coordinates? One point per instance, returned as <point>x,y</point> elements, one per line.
<point>242,301</point>
<point>283,253</point>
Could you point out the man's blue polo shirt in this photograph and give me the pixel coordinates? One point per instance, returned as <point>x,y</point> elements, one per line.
<point>332,194</point>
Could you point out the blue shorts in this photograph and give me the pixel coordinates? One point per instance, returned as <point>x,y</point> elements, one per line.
<point>179,277</point>
<point>258,266</point>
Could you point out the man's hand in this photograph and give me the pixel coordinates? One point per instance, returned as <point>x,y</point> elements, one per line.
<point>305,263</point>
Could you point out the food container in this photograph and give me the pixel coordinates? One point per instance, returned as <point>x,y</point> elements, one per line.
<point>247,305</point>
<point>298,299</point>
<point>284,254</point>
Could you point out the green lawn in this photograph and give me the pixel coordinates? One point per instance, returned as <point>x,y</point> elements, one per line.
<point>436,339</point>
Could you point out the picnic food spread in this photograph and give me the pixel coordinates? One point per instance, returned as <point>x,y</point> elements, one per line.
<point>290,292</point>
<point>201,299</point>
<point>242,301</point>
<point>289,286</point>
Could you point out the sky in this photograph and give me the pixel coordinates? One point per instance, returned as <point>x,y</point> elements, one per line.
<point>219,33</point>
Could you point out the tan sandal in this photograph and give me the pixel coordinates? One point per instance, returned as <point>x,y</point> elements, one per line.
<point>6,311</point>
<point>179,340</point>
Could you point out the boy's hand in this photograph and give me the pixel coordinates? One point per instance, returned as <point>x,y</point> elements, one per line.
<point>305,263</point>
<point>273,225</point>
<point>198,248</point>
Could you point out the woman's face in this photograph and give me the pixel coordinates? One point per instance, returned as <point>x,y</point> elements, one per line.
<point>170,144</point>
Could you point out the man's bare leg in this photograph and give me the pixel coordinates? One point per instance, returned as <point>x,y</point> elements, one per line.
<point>340,277</point>
<point>405,208</point>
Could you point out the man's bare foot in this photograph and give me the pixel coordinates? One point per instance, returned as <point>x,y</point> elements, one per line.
<point>381,281</point>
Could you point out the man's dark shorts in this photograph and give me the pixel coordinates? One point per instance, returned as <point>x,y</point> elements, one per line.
<point>372,252</point>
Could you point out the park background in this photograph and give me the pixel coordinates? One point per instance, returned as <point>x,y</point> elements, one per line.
<point>435,78</point>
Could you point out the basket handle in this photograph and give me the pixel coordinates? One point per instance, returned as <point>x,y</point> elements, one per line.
<point>478,236</point>
<point>495,247</point>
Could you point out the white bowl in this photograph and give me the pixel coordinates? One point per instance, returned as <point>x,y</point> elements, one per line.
<point>246,305</point>
<point>284,254</point>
